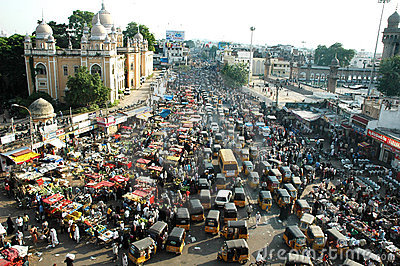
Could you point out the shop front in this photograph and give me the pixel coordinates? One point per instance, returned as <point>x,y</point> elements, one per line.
<point>389,146</point>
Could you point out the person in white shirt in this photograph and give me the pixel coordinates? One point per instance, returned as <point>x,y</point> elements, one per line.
<point>20,223</point>
<point>258,218</point>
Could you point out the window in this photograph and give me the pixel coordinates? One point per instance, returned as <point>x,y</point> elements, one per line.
<point>40,69</point>
<point>42,84</point>
<point>131,82</point>
<point>65,68</point>
<point>76,69</point>
<point>95,69</point>
<point>132,66</point>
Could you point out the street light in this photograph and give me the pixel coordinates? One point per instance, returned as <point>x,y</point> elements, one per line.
<point>251,48</point>
<point>30,121</point>
<point>376,46</point>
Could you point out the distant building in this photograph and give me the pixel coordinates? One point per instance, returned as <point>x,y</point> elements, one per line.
<point>102,51</point>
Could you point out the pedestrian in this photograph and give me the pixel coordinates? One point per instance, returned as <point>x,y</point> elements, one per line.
<point>258,218</point>
<point>20,237</point>
<point>53,237</point>
<point>249,211</point>
<point>20,223</point>
<point>26,221</point>
<point>76,234</point>
<point>125,261</point>
<point>10,226</point>
<point>115,251</point>
<point>34,234</point>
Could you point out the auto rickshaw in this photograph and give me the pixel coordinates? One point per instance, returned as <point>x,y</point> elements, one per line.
<point>205,198</point>
<point>235,230</point>
<point>254,180</point>
<point>244,155</point>
<point>203,184</point>
<point>263,170</point>
<point>301,206</point>
<point>220,181</point>
<point>297,260</point>
<point>182,218</point>
<point>294,237</point>
<point>315,237</point>
<point>196,210</point>
<point>241,141</point>
<point>309,172</point>
<point>286,173</point>
<point>295,169</point>
<point>142,250</point>
<point>337,240</point>
<point>253,153</point>
<point>292,191</point>
<point>239,197</point>
<point>231,134</point>
<point>247,167</point>
<point>275,163</point>
<point>176,240</point>
<point>230,212</point>
<point>275,172</point>
<point>204,135</point>
<point>296,181</point>
<point>239,125</point>
<point>272,183</point>
<point>282,197</point>
<point>218,138</point>
<point>234,251</point>
<point>306,221</point>
<point>265,200</point>
<point>207,154</point>
<point>215,149</point>
<point>157,231</point>
<point>212,222</point>
<point>208,166</point>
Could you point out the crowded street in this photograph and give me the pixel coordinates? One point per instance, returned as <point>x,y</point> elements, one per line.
<point>204,167</point>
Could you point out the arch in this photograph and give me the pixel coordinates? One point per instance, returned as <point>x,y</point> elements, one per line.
<point>41,69</point>
<point>131,67</point>
<point>343,77</point>
<point>322,76</point>
<point>312,76</point>
<point>95,69</point>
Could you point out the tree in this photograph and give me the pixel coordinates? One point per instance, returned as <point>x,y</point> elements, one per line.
<point>60,34</point>
<point>389,76</point>
<point>213,52</point>
<point>77,21</point>
<point>132,29</point>
<point>85,89</point>
<point>190,44</point>
<point>323,55</point>
<point>235,75</point>
<point>12,67</point>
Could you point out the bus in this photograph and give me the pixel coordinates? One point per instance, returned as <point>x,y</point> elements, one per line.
<point>227,163</point>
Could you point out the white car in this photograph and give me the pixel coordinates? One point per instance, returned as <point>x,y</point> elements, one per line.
<point>214,127</point>
<point>223,196</point>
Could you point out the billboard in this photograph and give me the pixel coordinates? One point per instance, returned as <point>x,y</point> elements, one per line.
<point>223,45</point>
<point>175,35</point>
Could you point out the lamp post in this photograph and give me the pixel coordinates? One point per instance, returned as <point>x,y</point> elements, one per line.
<point>30,121</point>
<point>376,46</point>
<point>251,49</point>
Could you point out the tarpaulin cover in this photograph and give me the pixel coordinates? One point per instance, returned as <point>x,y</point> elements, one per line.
<point>53,199</point>
<point>25,157</point>
<point>119,178</point>
<point>103,184</point>
<point>156,168</point>
<point>168,97</point>
<point>140,193</point>
<point>363,144</point>
<point>143,161</point>
<point>164,113</point>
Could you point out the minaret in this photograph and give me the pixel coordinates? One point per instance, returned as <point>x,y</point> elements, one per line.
<point>267,67</point>
<point>391,37</point>
<point>333,75</point>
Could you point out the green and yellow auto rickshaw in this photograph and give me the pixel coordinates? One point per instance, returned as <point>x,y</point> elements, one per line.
<point>292,191</point>
<point>254,180</point>
<point>220,181</point>
<point>300,207</point>
<point>247,167</point>
<point>282,197</point>
<point>235,230</point>
<point>176,240</point>
<point>142,250</point>
<point>294,237</point>
<point>315,237</point>
<point>306,221</point>
<point>182,218</point>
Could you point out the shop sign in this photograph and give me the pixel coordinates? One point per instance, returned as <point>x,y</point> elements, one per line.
<point>83,130</point>
<point>121,119</point>
<point>382,138</point>
<point>393,150</point>
<point>106,121</point>
<point>84,124</point>
<point>79,118</point>
<point>49,128</point>
<point>7,139</point>
<point>60,132</point>
<point>48,136</point>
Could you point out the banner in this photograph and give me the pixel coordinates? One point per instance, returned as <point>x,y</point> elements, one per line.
<point>174,35</point>
<point>7,139</point>
<point>382,138</point>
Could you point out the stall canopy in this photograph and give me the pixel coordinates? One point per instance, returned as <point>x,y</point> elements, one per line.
<point>271,117</point>
<point>103,184</point>
<point>143,161</point>
<point>363,144</point>
<point>168,97</point>
<point>164,113</point>
<point>119,178</point>
<point>21,155</point>
<point>144,116</point>
<point>307,115</point>
<point>56,142</point>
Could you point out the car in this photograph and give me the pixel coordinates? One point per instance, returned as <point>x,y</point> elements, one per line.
<point>214,127</point>
<point>223,196</point>
<point>127,91</point>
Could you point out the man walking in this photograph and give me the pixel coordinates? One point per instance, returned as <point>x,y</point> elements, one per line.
<point>258,218</point>
<point>249,211</point>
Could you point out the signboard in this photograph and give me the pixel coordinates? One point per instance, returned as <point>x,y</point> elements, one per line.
<point>120,119</point>
<point>106,121</point>
<point>175,35</point>
<point>223,45</point>
<point>382,138</point>
<point>84,124</point>
<point>7,139</point>
<point>49,128</point>
<point>79,118</point>
<point>164,60</point>
<point>83,130</point>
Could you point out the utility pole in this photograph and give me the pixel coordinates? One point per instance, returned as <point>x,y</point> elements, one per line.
<point>251,55</point>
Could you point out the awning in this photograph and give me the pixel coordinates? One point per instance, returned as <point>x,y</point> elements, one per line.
<point>143,161</point>
<point>103,184</point>
<point>119,178</point>
<point>145,115</point>
<point>164,113</point>
<point>307,115</point>
<point>56,142</point>
<point>360,120</point>
<point>272,117</point>
<point>363,144</point>
<point>21,155</point>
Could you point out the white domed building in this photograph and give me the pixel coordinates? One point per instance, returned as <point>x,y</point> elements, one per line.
<point>102,51</point>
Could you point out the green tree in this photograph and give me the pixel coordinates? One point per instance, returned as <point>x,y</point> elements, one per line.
<point>77,21</point>
<point>235,75</point>
<point>132,29</point>
<point>86,89</point>
<point>213,52</point>
<point>323,55</point>
<point>389,76</point>
<point>189,43</point>
<point>60,34</point>
<point>12,67</point>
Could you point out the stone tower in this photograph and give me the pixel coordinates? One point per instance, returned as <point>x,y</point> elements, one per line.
<point>391,37</point>
<point>333,75</point>
<point>267,67</point>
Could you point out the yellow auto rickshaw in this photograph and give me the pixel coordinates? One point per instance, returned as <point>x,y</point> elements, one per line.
<point>265,200</point>
<point>272,183</point>
<point>282,197</point>
<point>231,134</point>
<point>296,182</point>
<point>239,197</point>
<point>275,172</point>
<point>218,138</point>
<point>300,207</point>
<point>247,167</point>
<point>286,173</point>
<point>315,237</point>
<point>235,230</point>
<point>275,163</point>
<point>244,155</point>
<point>264,168</point>
<point>241,141</point>
<point>157,231</point>
<point>253,153</point>
<point>142,250</point>
<point>337,240</point>
<point>230,212</point>
<point>182,218</point>
<point>207,154</point>
<point>294,237</point>
<point>220,181</point>
<point>205,198</point>
<point>176,240</point>
<point>216,148</point>
<point>235,250</point>
<point>306,221</point>
<point>292,191</point>
<point>196,210</point>
<point>202,184</point>
<point>254,180</point>
<point>212,222</point>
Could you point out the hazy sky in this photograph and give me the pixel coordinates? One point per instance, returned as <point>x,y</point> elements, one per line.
<point>351,22</point>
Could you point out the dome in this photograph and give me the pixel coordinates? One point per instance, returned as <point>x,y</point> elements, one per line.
<point>50,39</point>
<point>107,40</point>
<point>98,32</point>
<point>84,39</point>
<point>43,30</point>
<point>394,20</point>
<point>138,36</point>
<point>41,110</point>
<point>335,61</point>
<point>27,38</point>
<point>105,18</point>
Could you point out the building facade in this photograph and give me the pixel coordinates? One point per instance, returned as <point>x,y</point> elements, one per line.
<point>102,51</point>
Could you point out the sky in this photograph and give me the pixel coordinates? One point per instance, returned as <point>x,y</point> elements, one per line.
<point>307,23</point>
